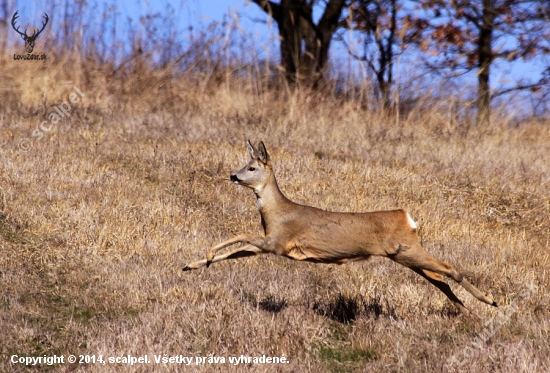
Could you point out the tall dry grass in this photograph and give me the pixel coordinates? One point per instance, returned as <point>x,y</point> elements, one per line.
<point>99,215</point>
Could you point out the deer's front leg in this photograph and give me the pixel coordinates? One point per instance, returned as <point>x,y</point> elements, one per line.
<point>241,252</point>
<point>243,238</point>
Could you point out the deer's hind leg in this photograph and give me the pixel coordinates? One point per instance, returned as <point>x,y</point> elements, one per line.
<point>436,280</point>
<point>416,257</point>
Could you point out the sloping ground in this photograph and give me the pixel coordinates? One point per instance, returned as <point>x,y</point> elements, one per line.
<point>99,215</point>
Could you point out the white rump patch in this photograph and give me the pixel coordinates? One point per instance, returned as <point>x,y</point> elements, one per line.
<point>412,223</point>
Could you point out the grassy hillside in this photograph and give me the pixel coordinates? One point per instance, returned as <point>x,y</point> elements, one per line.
<point>101,208</point>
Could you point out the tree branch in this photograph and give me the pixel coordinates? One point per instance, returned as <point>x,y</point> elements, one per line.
<point>522,87</point>
<point>331,16</point>
<point>271,8</point>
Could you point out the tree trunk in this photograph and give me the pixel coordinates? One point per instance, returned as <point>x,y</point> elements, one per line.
<point>385,89</point>
<point>304,45</point>
<point>485,58</point>
<point>290,43</point>
<point>483,96</point>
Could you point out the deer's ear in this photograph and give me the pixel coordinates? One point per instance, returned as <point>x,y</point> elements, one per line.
<point>262,153</point>
<point>251,149</point>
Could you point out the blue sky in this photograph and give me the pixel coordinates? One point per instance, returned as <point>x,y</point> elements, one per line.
<point>206,11</point>
<point>244,15</point>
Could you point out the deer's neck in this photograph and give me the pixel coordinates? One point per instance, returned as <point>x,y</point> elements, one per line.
<point>272,203</point>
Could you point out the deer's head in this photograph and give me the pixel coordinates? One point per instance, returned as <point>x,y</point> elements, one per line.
<point>257,172</point>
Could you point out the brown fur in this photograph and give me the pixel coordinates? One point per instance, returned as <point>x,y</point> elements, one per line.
<point>307,233</point>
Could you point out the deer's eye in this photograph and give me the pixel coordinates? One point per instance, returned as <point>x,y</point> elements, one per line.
<point>251,169</point>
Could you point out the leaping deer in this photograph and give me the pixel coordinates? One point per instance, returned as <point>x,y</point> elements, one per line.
<point>29,40</point>
<point>307,233</point>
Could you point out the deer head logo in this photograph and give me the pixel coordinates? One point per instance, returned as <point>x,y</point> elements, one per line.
<point>29,40</point>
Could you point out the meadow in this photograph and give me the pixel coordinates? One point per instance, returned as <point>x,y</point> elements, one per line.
<point>102,207</point>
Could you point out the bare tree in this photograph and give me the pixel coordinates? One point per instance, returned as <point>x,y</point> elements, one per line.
<point>473,34</point>
<point>304,44</point>
<point>380,27</point>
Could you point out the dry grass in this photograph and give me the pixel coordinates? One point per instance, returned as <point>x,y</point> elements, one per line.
<point>98,218</point>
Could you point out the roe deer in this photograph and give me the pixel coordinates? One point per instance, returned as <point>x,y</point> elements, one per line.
<point>307,233</point>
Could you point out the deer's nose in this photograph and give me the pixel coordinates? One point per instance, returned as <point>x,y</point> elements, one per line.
<point>234,178</point>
